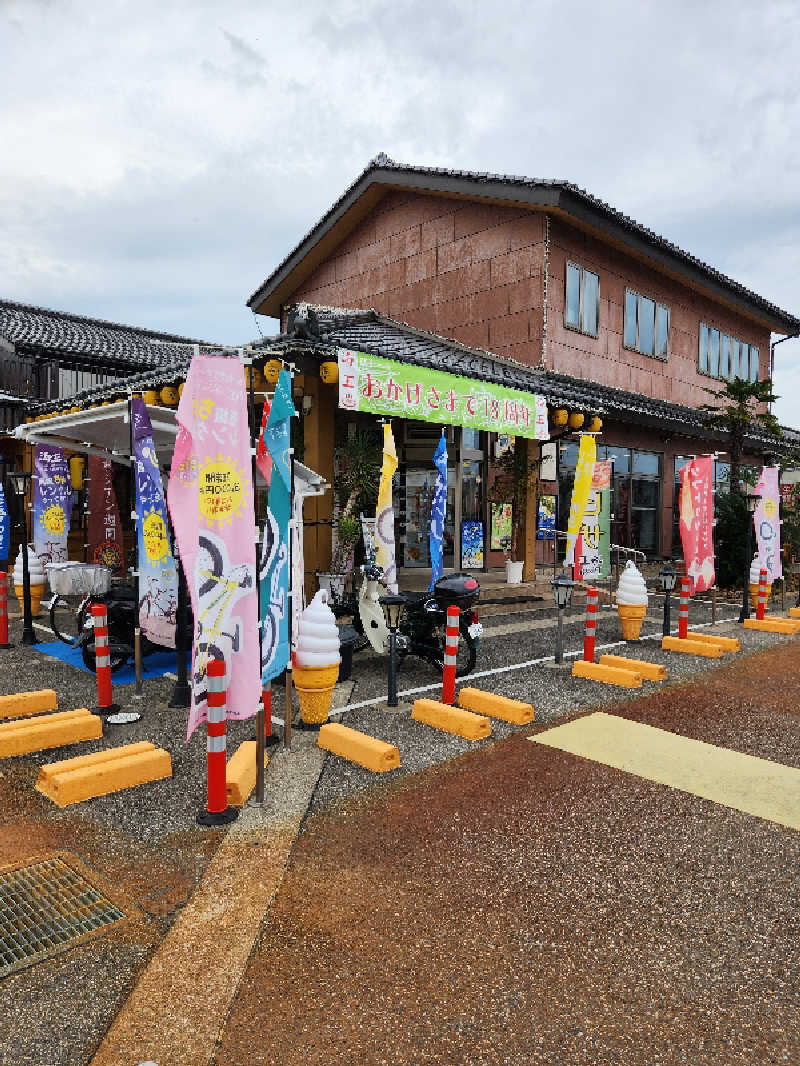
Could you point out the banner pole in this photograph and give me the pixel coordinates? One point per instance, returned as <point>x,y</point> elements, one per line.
<point>247,361</point>
<point>134,512</point>
<point>287,715</point>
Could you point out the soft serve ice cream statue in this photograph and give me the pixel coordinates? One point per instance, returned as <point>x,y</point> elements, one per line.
<point>631,601</point>
<point>316,659</point>
<point>37,577</point>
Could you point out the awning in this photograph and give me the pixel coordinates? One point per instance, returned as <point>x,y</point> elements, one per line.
<point>103,431</point>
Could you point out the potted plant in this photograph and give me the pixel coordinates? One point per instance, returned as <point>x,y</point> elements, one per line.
<point>358,466</point>
<point>515,478</point>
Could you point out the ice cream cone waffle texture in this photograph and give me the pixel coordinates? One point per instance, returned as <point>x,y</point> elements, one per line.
<point>317,659</point>
<point>631,618</point>
<point>754,593</point>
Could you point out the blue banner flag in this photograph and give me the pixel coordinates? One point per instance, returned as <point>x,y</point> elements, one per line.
<point>5,528</point>
<point>438,508</point>
<point>158,577</point>
<point>274,566</point>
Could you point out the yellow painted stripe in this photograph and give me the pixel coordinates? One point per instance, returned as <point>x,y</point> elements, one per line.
<point>756,786</point>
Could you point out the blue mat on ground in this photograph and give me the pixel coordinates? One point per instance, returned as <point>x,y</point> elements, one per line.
<point>155,665</point>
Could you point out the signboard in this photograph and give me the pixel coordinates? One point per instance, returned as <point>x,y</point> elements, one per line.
<point>696,518</point>
<point>767,523</point>
<point>5,528</point>
<point>587,452</point>
<point>403,390</point>
<point>547,469</point>
<point>546,518</point>
<point>104,526</point>
<point>52,504</point>
<point>596,526</point>
<point>472,545</point>
<point>501,526</point>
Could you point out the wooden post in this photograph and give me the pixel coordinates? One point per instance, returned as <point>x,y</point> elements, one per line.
<point>531,501</point>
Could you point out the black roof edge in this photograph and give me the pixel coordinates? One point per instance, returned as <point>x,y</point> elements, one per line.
<point>543,193</point>
<point>105,323</point>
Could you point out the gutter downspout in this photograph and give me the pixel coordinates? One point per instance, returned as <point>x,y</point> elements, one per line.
<point>772,346</point>
<point>545,286</point>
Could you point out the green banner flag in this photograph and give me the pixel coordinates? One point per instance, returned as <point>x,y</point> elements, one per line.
<point>403,390</point>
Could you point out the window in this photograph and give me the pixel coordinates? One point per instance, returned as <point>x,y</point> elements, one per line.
<point>581,308</point>
<point>726,357</point>
<point>646,327</point>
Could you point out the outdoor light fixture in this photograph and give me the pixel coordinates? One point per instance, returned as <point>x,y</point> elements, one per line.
<point>393,605</point>
<point>668,576</point>
<point>19,480</point>
<point>751,500</point>
<point>562,592</point>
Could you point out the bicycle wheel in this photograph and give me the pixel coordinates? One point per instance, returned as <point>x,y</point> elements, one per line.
<point>66,631</point>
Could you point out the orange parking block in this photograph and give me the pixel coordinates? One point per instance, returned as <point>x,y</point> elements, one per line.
<point>451,719</point>
<point>649,671</point>
<point>692,647</point>
<point>21,703</point>
<point>494,706</point>
<point>22,736</point>
<point>87,776</point>
<point>366,751</point>
<point>608,675</point>
<point>726,643</point>
<point>787,626</point>
<point>794,612</point>
<point>240,773</point>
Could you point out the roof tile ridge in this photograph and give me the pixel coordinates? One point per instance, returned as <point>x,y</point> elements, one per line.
<point>106,323</point>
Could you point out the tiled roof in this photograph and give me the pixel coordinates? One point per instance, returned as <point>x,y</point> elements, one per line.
<point>318,331</point>
<point>542,192</point>
<point>86,340</point>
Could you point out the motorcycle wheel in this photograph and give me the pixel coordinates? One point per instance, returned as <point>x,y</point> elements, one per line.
<point>466,657</point>
<point>61,630</point>
<point>118,658</point>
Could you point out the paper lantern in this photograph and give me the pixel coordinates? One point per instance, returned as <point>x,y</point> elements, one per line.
<point>595,425</point>
<point>272,371</point>
<point>76,467</point>
<point>169,396</point>
<point>181,387</point>
<point>576,420</point>
<point>259,381</point>
<point>559,417</point>
<point>150,396</point>
<point>329,372</point>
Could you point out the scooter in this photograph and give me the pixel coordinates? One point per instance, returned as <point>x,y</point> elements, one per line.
<point>421,630</point>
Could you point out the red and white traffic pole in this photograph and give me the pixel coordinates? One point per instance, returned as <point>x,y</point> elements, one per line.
<point>590,631</point>
<point>102,661</point>
<point>217,811</point>
<point>762,594</point>
<point>683,610</point>
<point>450,656</point>
<point>4,611</point>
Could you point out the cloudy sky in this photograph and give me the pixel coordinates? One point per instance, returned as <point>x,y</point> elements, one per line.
<point>160,157</point>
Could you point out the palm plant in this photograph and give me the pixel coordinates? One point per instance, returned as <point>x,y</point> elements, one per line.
<point>358,472</point>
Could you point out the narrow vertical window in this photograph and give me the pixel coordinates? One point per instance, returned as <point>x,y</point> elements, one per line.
<point>662,332</point>
<point>735,369</point>
<point>647,325</point>
<point>724,356</point>
<point>754,364</point>
<point>572,309</point>
<point>703,349</point>
<point>714,353</point>
<point>590,299</point>
<point>631,304</point>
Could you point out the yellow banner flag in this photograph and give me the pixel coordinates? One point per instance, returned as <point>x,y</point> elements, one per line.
<point>587,453</point>
<point>384,514</point>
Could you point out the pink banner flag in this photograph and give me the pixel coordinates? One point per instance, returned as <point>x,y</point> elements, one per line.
<point>210,500</point>
<point>767,523</point>
<point>696,521</point>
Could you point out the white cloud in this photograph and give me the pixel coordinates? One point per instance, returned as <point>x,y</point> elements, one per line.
<point>160,158</point>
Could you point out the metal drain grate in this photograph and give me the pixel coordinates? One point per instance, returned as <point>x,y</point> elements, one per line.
<point>47,907</point>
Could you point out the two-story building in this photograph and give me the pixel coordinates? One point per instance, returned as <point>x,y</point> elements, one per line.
<point>548,278</point>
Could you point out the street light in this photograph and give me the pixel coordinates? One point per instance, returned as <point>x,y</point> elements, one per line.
<point>19,480</point>
<point>562,592</point>
<point>393,605</point>
<point>667,576</point>
<point>751,499</point>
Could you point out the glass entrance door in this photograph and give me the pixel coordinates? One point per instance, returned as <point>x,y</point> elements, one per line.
<point>420,485</point>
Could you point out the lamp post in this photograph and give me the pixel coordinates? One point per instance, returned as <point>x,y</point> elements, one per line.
<point>562,592</point>
<point>751,499</point>
<point>393,605</point>
<point>667,576</point>
<point>19,479</point>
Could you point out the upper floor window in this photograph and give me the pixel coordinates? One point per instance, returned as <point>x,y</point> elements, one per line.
<point>581,307</point>
<point>646,327</point>
<point>723,356</point>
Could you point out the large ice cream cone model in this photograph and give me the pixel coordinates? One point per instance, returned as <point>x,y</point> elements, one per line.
<point>755,573</point>
<point>631,601</point>
<point>316,660</point>
<point>37,579</point>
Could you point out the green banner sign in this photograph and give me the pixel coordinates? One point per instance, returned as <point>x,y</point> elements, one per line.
<point>402,390</point>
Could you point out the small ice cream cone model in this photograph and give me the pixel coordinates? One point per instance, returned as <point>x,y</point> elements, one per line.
<point>755,573</point>
<point>316,660</point>
<point>37,578</point>
<point>631,601</point>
